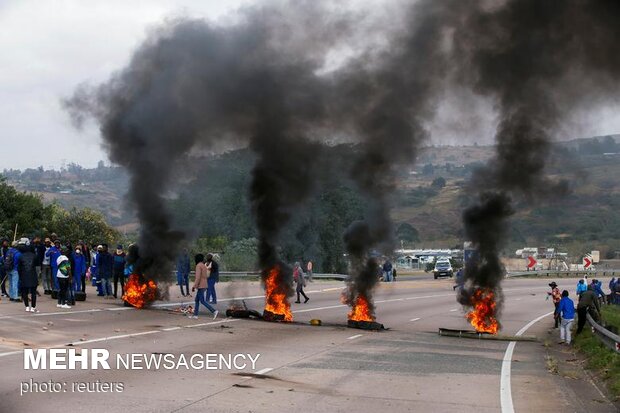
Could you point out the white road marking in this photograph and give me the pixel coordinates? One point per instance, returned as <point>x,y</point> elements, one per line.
<point>453,310</point>
<point>504,387</point>
<point>415,319</point>
<point>9,353</point>
<point>264,371</point>
<point>354,337</point>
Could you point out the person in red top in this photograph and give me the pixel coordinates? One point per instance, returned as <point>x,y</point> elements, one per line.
<point>556,296</point>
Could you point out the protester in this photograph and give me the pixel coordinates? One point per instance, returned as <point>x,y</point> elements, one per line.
<point>309,270</point>
<point>200,284</point>
<point>588,302</point>
<point>214,278</point>
<point>94,274</point>
<point>10,267</point>
<point>459,279</point>
<point>53,253</point>
<point>79,272</point>
<point>39,252</point>
<point>581,286</point>
<point>387,271</point>
<point>598,290</point>
<point>555,297</point>
<point>46,269</point>
<point>183,267</point>
<point>612,295</point>
<point>119,269</point>
<point>3,274</point>
<point>566,311</point>
<point>87,258</point>
<point>28,279</point>
<point>105,268</point>
<point>300,282</point>
<point>63,272</point>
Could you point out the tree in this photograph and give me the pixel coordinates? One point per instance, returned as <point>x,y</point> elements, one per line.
<point>407,233</point>
<point>21,208</point>
<point>439,183</point>
<point>241,255</point>
<point>82,224</point>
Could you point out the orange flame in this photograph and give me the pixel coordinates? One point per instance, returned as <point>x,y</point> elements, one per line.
<point>361,310</point>
<point>138,293</point>
<point>276,300</point>
<point>482,317</point>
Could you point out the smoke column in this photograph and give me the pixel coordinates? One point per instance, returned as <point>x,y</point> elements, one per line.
<point>397,96</point>
<point>194,84</point>
<point>529,57</point>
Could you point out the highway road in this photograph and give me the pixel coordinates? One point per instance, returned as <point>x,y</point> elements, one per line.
<point>328,368</point>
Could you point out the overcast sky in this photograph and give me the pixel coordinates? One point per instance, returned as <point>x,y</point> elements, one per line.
<point>50,46</point>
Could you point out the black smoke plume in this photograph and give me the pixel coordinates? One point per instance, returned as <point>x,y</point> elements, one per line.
<point>396,97</point>
<point>528,56</point>
<point>194,84</point>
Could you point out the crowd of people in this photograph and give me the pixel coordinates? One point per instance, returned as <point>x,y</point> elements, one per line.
<point>590,297</point>
<point>62,269</point>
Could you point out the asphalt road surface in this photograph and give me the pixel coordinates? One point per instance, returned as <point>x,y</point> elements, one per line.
<point>330,368</point>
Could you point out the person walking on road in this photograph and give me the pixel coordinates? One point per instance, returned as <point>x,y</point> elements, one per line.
<point>300,280</point>
<point>200,284</point>
<point>566,311</point>
<point>555,297</point>
<point>214,278</point>
<point>183,272</point>
<point>387,271</point>
<point>588,302</point>
<point>309,270</point>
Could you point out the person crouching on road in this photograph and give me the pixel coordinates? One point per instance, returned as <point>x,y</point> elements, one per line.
<point>588,302</point>
<point>556,297</point>
<point>566,311</point>
<point>62,275</point>
<point>200,284</point>
<point>28,278</point>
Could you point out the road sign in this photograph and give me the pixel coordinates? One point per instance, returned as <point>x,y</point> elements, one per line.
<point>587,261</point>
<point>531,262</point>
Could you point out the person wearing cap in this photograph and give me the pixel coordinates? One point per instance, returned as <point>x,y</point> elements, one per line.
<point>79,271</point>
<point>119,269</point>
<point>63,273</point>
<point>53,253</point>
<point>46,269</point>
<point>588,303</point>
<point>566,311</point>
<point>555,297</point>
<point>183,267</point>
<point>28,278</point>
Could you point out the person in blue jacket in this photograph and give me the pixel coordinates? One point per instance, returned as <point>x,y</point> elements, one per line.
<point>105,268</point>
<point>53,253</point>
<point>80,268</point>
<point>581,286</point>
<point>566,310</point>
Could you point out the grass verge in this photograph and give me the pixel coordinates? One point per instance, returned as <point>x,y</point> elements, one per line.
<point>604,362</point>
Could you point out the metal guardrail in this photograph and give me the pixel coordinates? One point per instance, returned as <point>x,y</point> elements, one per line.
<point>550,273</point>
<point>608,338</point>
<point>256,274</point>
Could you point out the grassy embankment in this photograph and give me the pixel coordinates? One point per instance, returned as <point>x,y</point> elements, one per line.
<point>604,362</point>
